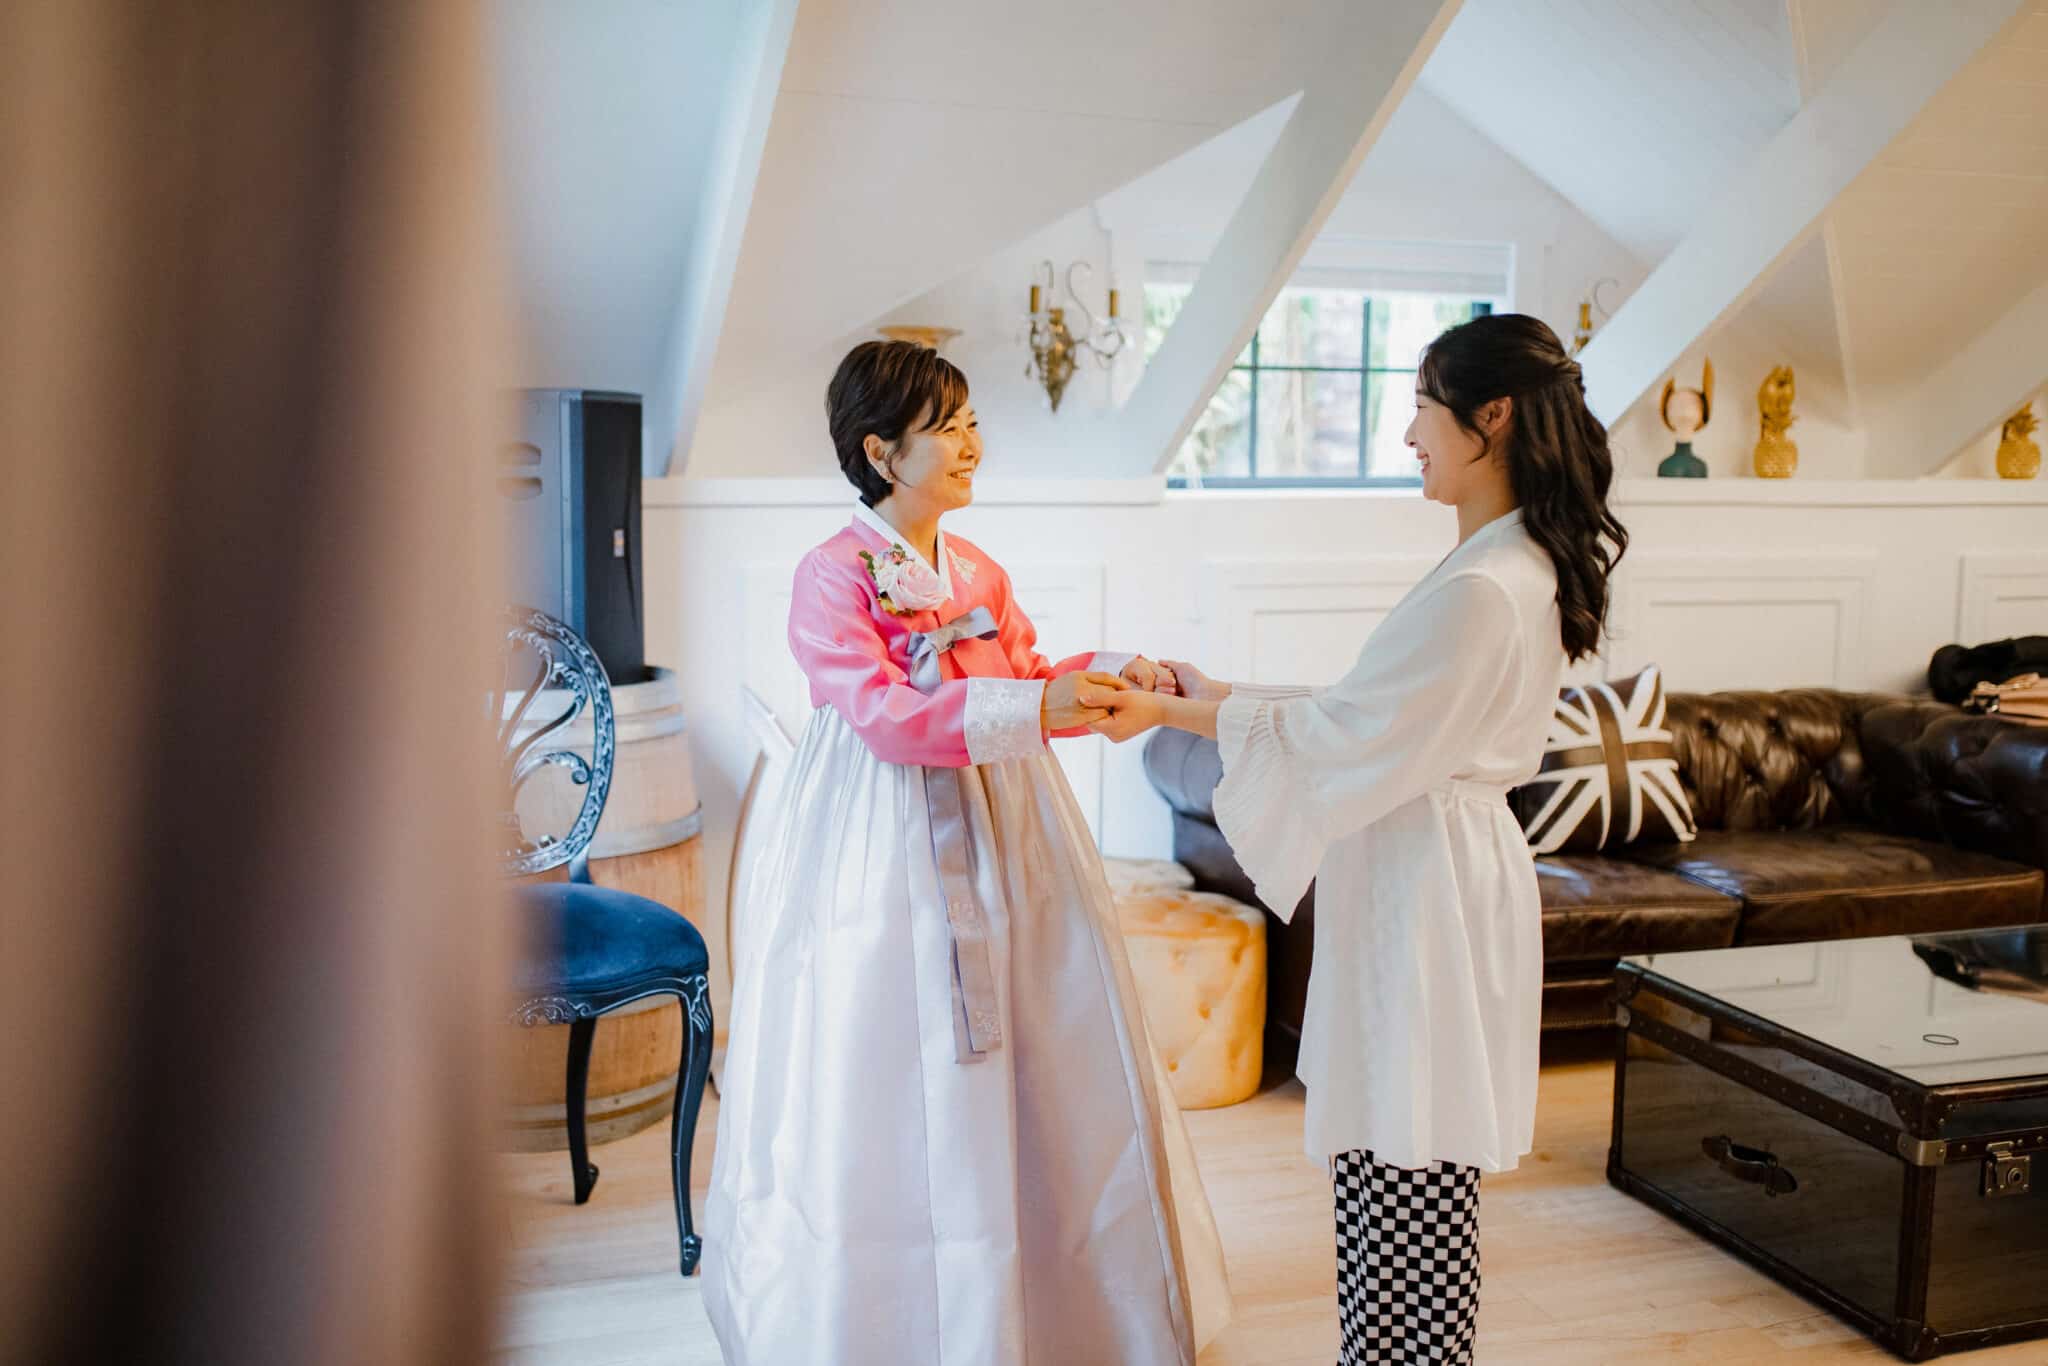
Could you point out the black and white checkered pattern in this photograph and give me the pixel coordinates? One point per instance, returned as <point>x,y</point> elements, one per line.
<point>1407,1261</point>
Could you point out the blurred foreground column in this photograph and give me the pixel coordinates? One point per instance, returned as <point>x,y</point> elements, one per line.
<point>247,311</point>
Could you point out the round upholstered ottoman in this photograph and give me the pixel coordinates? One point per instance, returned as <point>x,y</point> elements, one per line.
<point>1200,965</point>
<point>1128,875</point>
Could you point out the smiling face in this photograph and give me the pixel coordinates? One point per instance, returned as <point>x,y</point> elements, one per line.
<point>1449,455</point>
<point>933,471</point>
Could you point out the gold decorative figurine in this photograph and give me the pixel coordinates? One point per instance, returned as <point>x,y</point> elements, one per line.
<point>1776,454</point>
<point>2018,456</point>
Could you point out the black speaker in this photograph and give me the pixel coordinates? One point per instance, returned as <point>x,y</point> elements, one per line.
<point>569,491</point>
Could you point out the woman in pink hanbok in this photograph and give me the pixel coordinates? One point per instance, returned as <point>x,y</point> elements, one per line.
<point>943,1137</point>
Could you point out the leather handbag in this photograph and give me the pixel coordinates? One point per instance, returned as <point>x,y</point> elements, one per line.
<point>2024,699</point>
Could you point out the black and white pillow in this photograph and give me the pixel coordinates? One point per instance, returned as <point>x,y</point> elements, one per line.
<point>1610,771</point>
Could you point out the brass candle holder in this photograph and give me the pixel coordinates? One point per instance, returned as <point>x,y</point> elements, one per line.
<point>1583,333</point>
<point>931,338</point>
<point>1054,347</point>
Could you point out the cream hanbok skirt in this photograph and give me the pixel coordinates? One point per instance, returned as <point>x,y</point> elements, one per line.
<point>876,1202</point>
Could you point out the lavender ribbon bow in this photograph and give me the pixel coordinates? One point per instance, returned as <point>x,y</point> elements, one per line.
<point>926,646</point>
<point>977,1024</point>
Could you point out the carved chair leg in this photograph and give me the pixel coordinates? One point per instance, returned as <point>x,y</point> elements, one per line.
<point>581,1173</point>
<point>696,1067</point>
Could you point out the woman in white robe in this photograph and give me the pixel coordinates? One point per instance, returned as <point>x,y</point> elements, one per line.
<point>944,1138</point>
<point>1389,789</point>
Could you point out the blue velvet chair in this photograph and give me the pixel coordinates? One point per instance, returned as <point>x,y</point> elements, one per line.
<point>584,949</point>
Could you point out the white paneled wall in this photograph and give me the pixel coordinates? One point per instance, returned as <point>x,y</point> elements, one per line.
<point>1297,620</point>
<point>1068,610</point>
<point>2004,594</point>
<point>1798,617</point>
<point>1729,583</point>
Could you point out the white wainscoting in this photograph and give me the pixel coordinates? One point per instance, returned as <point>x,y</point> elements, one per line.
<point>1067,608</point>
<point>1713,622</point>
<point>2003,595</point>
<point>1299,621</point>
<point>771,670</point>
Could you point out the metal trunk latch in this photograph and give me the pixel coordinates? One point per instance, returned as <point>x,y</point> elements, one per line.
<point>2007,1172</point>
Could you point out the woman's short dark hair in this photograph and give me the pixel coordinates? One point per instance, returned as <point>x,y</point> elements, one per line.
<point>880,389</point>
<point>1556,451</point>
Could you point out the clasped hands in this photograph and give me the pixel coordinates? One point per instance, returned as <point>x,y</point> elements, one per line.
<point>1126,706</point>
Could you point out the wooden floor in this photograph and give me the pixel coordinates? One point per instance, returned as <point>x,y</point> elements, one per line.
<point>1574,1271</point>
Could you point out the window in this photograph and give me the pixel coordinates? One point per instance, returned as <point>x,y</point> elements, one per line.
<point>1323,393</point>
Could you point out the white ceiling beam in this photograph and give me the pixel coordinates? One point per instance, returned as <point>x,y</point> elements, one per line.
<point>1769,209</point>
<point>1372,57</point>
<point>1919,429</point>
<point>1800,22</point>
<point>753,79</point>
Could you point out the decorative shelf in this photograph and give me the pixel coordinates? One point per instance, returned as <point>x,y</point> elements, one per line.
<point>1795,492</point>
<point>1148,490</point>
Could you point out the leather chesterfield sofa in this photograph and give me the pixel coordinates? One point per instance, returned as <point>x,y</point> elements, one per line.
<point>1822,815</point>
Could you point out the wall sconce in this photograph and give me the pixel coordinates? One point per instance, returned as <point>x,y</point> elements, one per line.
<point>931,338</point>
<point>1584,331</point>
<point>1055,347</point>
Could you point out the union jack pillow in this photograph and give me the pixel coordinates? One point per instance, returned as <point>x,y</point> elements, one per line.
<point>1610,772</point>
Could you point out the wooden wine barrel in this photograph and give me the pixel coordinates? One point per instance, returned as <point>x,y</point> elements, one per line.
<point>648,844</point>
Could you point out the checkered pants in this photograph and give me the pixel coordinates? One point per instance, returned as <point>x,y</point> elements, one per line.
<point>1407,1261</point>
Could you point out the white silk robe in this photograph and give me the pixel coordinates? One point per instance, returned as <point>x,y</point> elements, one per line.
<point>1389,789</point>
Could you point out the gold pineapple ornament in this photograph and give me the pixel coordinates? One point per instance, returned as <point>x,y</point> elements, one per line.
<point>1777,456</point>
<point>2018,456</point>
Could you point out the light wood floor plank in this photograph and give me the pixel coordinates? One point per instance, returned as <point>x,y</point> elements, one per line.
<point>1576,1274</point>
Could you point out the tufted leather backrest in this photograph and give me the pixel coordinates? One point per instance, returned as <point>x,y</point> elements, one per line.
<point>1771,760</point>
<point>1804,757</point>
<point>1977,782</point>
<point>1797,759</point>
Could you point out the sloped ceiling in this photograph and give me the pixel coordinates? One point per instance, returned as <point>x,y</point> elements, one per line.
<point>910,140</point>
<point>605,118</point>
<point>913,138</point>
<point>1950,224</point>
<point>1635,110</point>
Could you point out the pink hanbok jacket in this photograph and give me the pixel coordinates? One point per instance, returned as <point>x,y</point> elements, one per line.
<point>857,654</point>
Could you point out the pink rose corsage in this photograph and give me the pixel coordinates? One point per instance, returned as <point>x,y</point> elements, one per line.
<point>905,585</point>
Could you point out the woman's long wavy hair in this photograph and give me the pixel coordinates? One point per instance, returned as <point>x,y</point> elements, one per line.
<point>1556,452</point>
